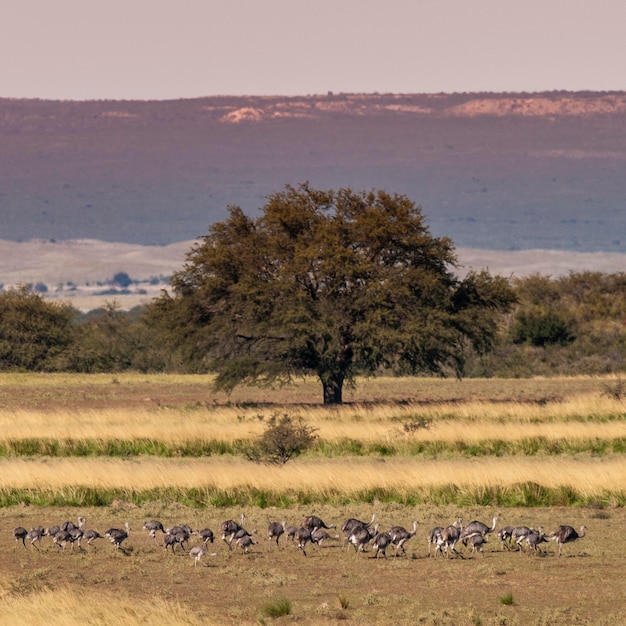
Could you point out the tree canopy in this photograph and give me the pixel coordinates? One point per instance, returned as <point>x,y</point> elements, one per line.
<point>335,284</point>
<point>34,333</point>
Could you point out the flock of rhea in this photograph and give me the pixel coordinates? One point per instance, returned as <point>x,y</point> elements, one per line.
<point>441,540</point>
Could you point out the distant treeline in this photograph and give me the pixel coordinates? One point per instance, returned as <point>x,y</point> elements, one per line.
<point>570,325</point>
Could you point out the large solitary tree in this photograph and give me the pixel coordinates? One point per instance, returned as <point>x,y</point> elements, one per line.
<point>335,284</point>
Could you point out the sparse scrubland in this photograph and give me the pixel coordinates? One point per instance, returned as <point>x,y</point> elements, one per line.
<point>132,447</point>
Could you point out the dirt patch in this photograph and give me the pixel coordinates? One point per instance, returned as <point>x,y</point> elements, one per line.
<point>233,587</point>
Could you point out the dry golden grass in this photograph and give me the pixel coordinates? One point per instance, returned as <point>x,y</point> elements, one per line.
<point>160,424</point>
<point>345,475</point>
<point>582,417</point>
<point>65,607</point>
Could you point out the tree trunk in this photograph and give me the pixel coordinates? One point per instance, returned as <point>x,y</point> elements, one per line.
<point>333,389</point>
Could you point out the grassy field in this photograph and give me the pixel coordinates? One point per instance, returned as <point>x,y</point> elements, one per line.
<point>539,452</point>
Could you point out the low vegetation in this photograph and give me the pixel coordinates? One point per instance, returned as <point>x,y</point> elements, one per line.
<point>284,438</point>
<point>27,605</point>
<point>133,447</point>
<point>557,442</point>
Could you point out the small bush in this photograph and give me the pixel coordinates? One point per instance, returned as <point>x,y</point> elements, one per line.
<point>600,515</point>
<point>507,599</point>
<point>344,602</point>
<point>614,389</point>
<point>542,328</point>
<point>279,608</point>
<point>284,438</point>
<point>416,423</point>
<point>122,279</point>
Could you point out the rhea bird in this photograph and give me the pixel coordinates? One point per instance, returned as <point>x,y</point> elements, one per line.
<point>177,535</point>
<point>534,538</point>
<point>207,535</point>
<point>312,521</point>
<point>91,535</point>
<point>319,535</point>
<point>352,525</point>
<point>518,534</point>
<point>275,531</point>
<point>302,537</point>
<point>450,536</point>
<point>230,528</point>
<point>504,535</point>
<point>34,535</point>
<point>116,535</point>
<point>361,537</point>
<point>153,526</point>
<point>69,526</point>
<point>477,541</point>
<point>197,552</point>
<point>400,535</point>
<point>476,527</point>
<point>244,541</point>
<point>381,542</point>
<point>566,534</point>
<point>434,538</point>
<point>52,531</point>
<point>290,531</point>
<point>20,535</point>
<point>62,538</point>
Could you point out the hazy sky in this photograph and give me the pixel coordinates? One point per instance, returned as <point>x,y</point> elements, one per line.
<point>162,49</point>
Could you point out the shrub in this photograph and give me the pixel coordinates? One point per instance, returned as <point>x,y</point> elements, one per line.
<point>507,599</point>
<point>541,328</point>
<point>283,439</point>
<point>278,608</point>
<point>122,279</point>
<point>614,389</point>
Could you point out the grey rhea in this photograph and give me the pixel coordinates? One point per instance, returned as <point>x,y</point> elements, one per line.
<point>381,542</point>
<point>116,535</point>
<point>400,535</point>
<point>478,527</point>
<point>566,534</point>
<point>275,531</point>
<point>313,521</point>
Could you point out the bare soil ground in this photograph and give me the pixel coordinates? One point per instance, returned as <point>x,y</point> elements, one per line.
<point>125,391</point>
<point>587,585</point>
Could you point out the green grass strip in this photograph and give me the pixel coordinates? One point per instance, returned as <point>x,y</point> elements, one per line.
<point>519,495</point>
<point>196,448</point>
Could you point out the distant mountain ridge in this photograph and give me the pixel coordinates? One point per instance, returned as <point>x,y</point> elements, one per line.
<point>492,171</point>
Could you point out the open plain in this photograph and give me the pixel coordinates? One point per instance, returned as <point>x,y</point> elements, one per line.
<point>131,448</point>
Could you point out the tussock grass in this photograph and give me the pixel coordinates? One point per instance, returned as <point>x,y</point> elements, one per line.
<point>277,608</point>
<point>63,607</point>
<point>161,424</point>
<point>506,599</point>
<point>319,480</point>
<point>570,443</point>
<point>580,418</point>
